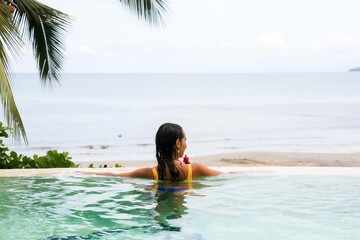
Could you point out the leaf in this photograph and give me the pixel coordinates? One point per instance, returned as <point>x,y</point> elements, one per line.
<point>151,11</point>
<point>10,43</point>
<point>12,114</point>
<point>45,27</point>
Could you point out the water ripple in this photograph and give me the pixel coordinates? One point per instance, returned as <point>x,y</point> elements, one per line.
<point>228,206</point>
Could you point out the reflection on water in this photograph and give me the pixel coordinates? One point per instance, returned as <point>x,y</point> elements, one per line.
<point>170,205</point>
<point>171,202</point>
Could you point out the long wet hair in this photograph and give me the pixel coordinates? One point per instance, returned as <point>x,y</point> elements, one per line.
<point>166,150</point>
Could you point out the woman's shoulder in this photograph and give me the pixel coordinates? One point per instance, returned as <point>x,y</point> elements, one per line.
<point>199,170</point>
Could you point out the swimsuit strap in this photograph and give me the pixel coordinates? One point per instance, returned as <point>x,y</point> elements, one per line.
<point>189,178</point>
<point>156,177</point>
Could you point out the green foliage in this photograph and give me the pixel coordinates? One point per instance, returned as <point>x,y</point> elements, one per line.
<point>52,159</point>
<point>91,165</point>
<point>118,165</point>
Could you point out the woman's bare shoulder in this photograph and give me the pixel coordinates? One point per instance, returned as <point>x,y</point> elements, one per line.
<point>200,170</point>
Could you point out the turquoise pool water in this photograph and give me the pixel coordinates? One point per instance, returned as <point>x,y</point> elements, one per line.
<point>224,207</point>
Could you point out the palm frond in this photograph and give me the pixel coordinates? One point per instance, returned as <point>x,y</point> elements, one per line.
<point>12,114</point>
<point>151,11</point>
<point>45,27</point>
<point>10,43</point>
<point>9,36</point>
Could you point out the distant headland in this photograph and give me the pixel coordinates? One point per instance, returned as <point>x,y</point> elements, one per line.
<point>355,69</point>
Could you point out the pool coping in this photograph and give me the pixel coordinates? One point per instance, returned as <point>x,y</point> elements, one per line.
<point>348,171</point>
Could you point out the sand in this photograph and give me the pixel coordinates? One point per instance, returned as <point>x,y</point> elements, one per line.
<point>243,162</point>
<point>283,159</point>
<point>257,159</point>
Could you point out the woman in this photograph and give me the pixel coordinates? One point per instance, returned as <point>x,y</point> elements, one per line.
<point>170,147</point>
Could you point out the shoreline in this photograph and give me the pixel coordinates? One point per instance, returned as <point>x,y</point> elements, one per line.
<point>241,162</point>
<point>254,159</point>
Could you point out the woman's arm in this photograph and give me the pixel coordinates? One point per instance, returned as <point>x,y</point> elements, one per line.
<point>138,173</point>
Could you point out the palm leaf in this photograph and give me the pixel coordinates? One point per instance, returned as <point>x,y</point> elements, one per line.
<point>151,11</point>
<point>45,27</point>
<point>10,43</point>
<point>12,114</point>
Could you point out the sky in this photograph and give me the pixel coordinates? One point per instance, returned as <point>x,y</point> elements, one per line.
<point>210,36</point>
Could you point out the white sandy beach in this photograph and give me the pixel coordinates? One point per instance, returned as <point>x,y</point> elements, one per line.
<point>244,162</point>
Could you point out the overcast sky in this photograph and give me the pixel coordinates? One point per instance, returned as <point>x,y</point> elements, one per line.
<point>211,36</point>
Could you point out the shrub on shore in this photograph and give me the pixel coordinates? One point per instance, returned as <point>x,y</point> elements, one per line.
<point>52,159</point>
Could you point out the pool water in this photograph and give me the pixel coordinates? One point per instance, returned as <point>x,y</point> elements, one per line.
<point>240,206</point>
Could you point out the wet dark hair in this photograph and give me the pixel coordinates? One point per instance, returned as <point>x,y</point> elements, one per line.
<point>166,150</point>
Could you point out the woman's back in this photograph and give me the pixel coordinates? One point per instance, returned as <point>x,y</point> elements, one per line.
<point>185,172</point>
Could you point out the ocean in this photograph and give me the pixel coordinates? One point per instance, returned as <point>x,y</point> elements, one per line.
<point>99,117</point>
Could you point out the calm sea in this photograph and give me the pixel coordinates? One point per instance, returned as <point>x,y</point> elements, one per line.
<point>100,117</point>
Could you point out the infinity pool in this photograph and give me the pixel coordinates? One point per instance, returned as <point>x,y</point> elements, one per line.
<point>240,206</point>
